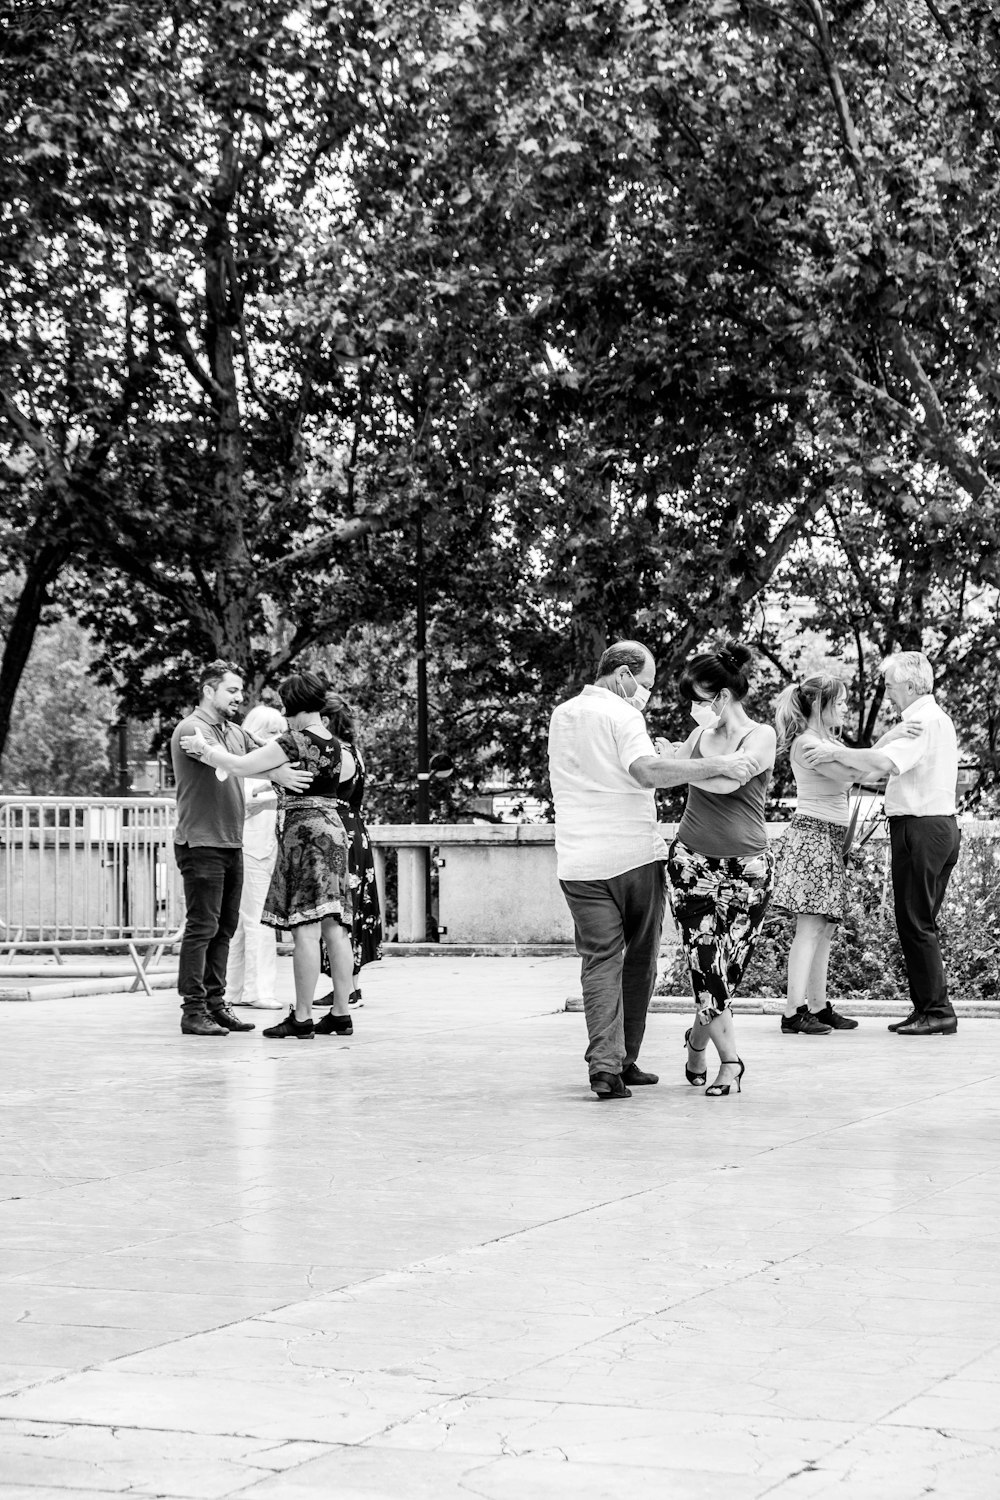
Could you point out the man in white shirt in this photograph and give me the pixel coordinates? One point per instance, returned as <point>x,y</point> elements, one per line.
<point>923,833</point>
<point>603,770</point>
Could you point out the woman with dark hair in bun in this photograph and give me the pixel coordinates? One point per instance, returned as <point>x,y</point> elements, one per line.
<point>310,892</point>
<point>720,869</point>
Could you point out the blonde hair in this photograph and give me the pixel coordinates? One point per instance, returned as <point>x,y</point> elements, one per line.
<point>911,668</point>
<point>796,703</point>
<point>263,722</point>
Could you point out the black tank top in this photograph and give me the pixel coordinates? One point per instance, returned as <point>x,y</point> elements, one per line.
<point>727,826</point>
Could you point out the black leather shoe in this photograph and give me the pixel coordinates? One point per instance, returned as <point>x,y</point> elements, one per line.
<point>223,1016</point>
<point>906,1021</point>
<point>332,1025</point>
<point>634,1075</point>
<point>930,1026</point>
<point>195,1021</point>
<point>609,1086</point>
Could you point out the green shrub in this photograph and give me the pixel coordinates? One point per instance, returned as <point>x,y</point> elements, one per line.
<point>866,962</point>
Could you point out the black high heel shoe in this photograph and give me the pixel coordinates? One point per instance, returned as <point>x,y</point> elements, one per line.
<point>720,1090</point>
<point>697,1080</point>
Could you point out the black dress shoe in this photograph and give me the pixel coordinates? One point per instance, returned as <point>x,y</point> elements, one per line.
<point>223,1016</point>
<point>930,1026</point>
<point>906,1021</point>
<point>633,1074</point>
<point>609,1086</point>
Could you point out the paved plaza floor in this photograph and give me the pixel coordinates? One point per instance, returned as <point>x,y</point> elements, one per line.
<point>425,1263</point>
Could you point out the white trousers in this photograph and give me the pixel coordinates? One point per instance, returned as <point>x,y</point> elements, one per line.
<point>253,954</point>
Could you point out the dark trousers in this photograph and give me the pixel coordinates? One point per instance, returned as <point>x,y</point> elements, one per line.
<point>618,924</point>
<point>924,853</point>
<point>213,882</point>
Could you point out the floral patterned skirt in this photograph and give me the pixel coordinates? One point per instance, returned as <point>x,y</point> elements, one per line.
<point>310,879</point>
<point>719,906</point>
<point>366,926</point>
<point>811,874</point>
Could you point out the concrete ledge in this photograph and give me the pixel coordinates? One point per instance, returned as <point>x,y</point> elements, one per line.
<point>68,989</point>
<point>478,950</point>
<point>772,1006</point>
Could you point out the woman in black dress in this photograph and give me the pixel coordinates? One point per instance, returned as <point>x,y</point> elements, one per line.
<point>310,892</point>
<point>366,929</point>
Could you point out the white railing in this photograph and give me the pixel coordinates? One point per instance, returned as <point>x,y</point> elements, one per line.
<point>85,871</point>
<point>81,870</point>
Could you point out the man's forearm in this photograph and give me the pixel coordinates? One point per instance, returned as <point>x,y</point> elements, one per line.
<point>870,762</point>
<point>661,774</point>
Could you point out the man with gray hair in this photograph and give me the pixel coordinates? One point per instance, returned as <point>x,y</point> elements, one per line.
<point>923,833</point>
<point>603,770</point>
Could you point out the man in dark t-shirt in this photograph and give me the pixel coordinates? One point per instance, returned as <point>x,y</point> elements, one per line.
<point>208,846</point>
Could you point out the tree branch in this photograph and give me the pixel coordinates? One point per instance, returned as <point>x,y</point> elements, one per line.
<point>342,533</point>
<point>162,295</point>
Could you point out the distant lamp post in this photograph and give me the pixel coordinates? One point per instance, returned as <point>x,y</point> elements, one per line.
<point>441,766</point>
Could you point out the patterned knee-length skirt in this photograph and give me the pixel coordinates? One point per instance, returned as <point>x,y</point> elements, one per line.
<point>811,874</point>
<point>310,879</point>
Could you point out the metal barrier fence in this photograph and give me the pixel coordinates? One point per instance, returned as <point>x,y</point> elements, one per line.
<point>86,871</point>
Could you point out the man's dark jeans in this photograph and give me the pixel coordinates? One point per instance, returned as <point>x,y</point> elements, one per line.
<point>924,852</point>
<point>213,881</point>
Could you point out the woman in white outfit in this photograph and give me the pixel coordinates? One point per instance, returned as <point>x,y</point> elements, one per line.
<point>253,954</point>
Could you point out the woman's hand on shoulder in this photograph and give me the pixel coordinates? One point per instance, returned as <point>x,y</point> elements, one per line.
<point>194,745</point>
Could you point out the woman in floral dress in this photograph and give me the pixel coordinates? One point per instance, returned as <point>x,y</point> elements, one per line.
<point>310,892</point>
<point>366,929</point>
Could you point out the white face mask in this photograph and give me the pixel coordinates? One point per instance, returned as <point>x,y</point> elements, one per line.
<point>703,716</point>
<point>640,696</point>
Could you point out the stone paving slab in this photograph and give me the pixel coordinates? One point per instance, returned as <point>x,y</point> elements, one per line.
<point>425,1262</point>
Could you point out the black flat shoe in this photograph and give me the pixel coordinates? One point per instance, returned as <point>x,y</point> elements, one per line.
<point>303,1030</point>
<point>906,1021</point>
<point>832,1018</point>
<point>332,1025</point>
<point>634,1075</point>
<point>804,1023</point>
<point>697,1080</point>
<point>609,1086</point>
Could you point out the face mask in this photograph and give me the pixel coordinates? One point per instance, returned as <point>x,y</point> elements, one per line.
<point>640,696</point>
<point>703,716</point>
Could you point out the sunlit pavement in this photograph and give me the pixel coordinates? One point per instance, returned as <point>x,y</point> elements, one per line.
<point>426,1262</point>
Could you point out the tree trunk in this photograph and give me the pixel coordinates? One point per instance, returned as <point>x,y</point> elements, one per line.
<point>42,570</point>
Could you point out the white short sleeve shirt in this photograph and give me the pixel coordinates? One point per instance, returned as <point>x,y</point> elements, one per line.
<point>927,767</point>
<point>605,821</point>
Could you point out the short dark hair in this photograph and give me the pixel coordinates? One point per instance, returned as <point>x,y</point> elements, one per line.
<point>303,693</point>
<point>728,667</point>
<point>624,654</point>
<point>213,672</point>
<point>339,717</point>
